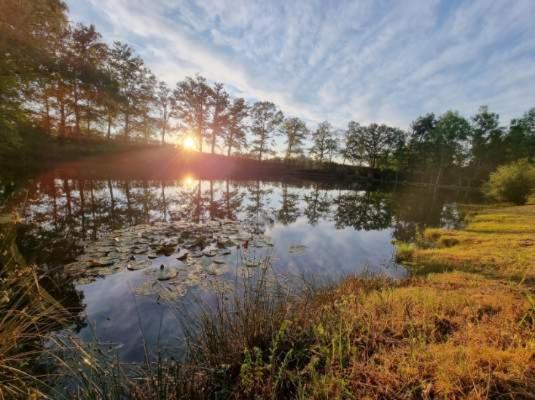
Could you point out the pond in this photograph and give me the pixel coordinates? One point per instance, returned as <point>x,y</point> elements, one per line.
<point>103,242</point>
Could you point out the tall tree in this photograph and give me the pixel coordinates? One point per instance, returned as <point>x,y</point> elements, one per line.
<point>266,120</point>
<point>486,141</point>
<point>164,101</point>
<point>130,76</point>
<point>28,34</point>
<point>332,147</point>
<point>438,144</point>
<point>219,101</point>
<point>87,54</point>
<point>371,144</point>
<point>322,140</point>
<point>235,136</point>
<point>111,100</point>
<point>192,98</point>
<point>520,140</point>
<point>147,103</point>
<point>296,132</point>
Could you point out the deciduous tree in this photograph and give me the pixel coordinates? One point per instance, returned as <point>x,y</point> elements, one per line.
<point>296,132</point>
<point>266,120</point>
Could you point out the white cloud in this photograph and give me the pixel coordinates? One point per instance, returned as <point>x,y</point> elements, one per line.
<point>362,60</point>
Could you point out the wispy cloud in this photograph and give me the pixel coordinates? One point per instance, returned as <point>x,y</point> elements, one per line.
<point>385,61</point>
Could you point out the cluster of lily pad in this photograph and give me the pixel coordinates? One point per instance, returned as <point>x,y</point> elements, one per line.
<point>175,255</point>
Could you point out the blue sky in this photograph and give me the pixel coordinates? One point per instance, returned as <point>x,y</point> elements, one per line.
<point>383,61</point>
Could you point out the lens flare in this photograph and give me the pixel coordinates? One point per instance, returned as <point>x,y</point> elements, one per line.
<point>189,143</point>
<point>188,182</point>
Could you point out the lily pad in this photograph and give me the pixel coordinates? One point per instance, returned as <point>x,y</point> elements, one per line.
<point>296,249</point>
<point>166,273</point>
<point>182,255</point>
<point>216,269</point>
<point>251,263</point>
<point>136,265</point>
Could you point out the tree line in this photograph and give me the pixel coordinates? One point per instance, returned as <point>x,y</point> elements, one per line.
<point>64,80</point>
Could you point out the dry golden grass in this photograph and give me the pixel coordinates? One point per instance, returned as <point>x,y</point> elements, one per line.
<point>465,331</point>
<point>497,242</point>
<point>451,335</point>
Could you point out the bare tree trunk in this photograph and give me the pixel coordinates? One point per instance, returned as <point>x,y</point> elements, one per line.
<point>214,135</point>
<point>200,139</point>
<point>126,127</point>
<point>109,127</point>
<point>112,204</point>
<point>76,110</point>
<point>67,190</point>
<point>88,116</point>
<point>48,121</point>
<point>62,119</point>
<point>164,202</point>
<point>82,205</point>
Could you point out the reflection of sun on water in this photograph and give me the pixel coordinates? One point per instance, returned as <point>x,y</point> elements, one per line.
<point>189,143</point>
<point>188,182</point>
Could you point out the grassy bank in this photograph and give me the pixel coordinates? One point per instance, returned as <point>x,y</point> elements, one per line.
<point>497,242</point>
<point>462,326</point>
<point>466,330</point>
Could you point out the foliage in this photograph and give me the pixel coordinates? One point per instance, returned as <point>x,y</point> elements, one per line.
<point>373,144</point>
<point>235,134</point>
<point>520,141</point>
<point>220,103</point>
<point>266,120</point>
<point>486,140</point>
<point>512,182</point>
<point>65,80</point>
<point>324,143</point>
<point>296,132</point>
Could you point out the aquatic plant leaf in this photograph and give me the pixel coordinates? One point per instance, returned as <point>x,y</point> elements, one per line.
<point>167,273</point>
<point>296,249</point>
<point>182,255</point>
<point>137,265</point>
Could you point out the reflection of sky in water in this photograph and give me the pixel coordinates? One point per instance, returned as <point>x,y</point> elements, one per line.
<point>117,315</point>
<point>331,253</point>
<point>330,223</point>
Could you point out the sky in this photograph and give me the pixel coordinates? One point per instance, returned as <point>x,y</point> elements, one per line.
<point>367,61</point>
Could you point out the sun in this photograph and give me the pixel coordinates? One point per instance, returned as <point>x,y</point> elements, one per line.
<point>189,143</point>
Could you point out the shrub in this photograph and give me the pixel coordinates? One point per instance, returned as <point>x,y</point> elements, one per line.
<point>512,182</point>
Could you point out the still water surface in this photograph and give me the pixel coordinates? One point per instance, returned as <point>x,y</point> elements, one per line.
<point>316,233</point>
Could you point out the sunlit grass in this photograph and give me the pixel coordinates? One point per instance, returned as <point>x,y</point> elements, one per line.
<point>497,242</point>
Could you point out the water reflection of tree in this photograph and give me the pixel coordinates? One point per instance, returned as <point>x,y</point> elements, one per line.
<point>257,206</point>
<point>419,208</point>
<point>24,243</point>
<point>289,209</point>
<point>318,205</point>
<point>215,206</point>
<point>232,201</point>
<point>162,202</point>
<point>192,203</point>
<point>363,210</point>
